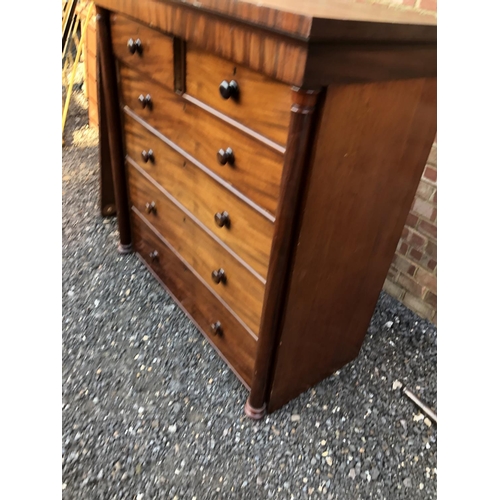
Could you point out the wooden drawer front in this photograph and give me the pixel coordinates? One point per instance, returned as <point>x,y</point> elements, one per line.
<point>242,291</point>
<point>248,232</point>
<point>233,342</point>
<point>156,54</point>
<point>261,104</point>
<point>256,171</point>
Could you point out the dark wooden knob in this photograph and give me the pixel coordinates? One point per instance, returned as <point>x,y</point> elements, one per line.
<point>222,219</point>
<point>134,47</point>
<point>154,255</point>
<point>146,101</point>
<point>148,156</point>
<point>219,276</point>
<point>228,90</point>
<point>216,328</point>
<point>226,156</point>
<point>151,207</point>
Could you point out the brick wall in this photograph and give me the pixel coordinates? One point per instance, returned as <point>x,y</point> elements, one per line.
<point>412,278</point>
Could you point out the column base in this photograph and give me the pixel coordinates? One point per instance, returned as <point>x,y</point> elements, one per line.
<point>254,413</point>
<point>124,249</point>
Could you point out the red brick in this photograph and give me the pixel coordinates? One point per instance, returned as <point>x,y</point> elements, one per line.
<point>416,240</point>
<point>431,299</point>
<point>431,249</point>
<point>432,264</point>
<point>392,289</point>
<point>428,5</point>
<point>411,285</point>
<point>392,274</point>
<point>415,254</point>
<point>423,208</point>
<point>434,198</point>
<point>418,305</point>
<point>434,215</point>
<point>403,264</point>
<point>411,220</point>
<point>428,228</point>
<point>426,279</point>
<point>425,190</point>
<point>402,247</point>
<point>430,173</point>
<point>405,233</point>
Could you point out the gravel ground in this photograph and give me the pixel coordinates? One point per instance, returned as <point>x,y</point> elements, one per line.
<point>150,412</point>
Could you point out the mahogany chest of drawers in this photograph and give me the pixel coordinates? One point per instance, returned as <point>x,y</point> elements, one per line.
<point>262,159</point>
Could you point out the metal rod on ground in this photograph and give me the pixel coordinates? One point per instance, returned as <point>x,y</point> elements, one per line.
<point>75,65</point>
<point>421,405</point>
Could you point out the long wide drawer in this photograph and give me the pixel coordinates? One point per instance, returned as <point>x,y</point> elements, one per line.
<point>146,50</point>
<point>235,345</point>
<point>253,99</point>
<point>231,280</point>
<point>254,169</point>
<point>243,229</point>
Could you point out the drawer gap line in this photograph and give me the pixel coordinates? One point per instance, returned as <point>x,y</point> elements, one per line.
<point>199,165</point>
<point>255,135</point>
<point>184,210</point>
<point>192,270</point>
<point>186,312</point>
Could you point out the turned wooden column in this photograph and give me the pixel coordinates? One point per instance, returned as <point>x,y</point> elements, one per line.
<point>292,183</point>
<point>107,193</point>
<point>107,71</point>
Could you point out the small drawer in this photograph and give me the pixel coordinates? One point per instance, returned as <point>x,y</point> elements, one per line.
<point>254,100</point>
<point>235,345</point>
<point>143,48</point>
<point>245,230</point>
<point>254,169</point>
<point>229,278</point>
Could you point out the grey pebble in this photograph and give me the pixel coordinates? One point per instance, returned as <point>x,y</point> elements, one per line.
<point>214,446</point>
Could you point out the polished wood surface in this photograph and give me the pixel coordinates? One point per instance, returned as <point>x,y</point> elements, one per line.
<point>256,171</point>
<point>113,130</point>
<point>242,289</point>
<point>312,20</point>
<point>270,180</point>
<point>155,57</point>
<point>287,42</point>
<point>294,172</point>
<point>261,104</point>
<point>314,17</point>
<point>266,53</point>
<point>106,186</point>
<point>357,62</point>
<point>246,231</point>
<point>349,232</point>
<point>232,342</point>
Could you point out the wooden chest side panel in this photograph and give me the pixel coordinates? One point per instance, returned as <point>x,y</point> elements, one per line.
<point>371,148</point>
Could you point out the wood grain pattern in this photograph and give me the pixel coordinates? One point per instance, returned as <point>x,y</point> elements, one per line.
<point>281,41</point>
<point>157,56</point>
<point>249,233</point>
<point>257,169</point>
<point>235,346</point>
<point>315,19</point>
<point>106,186</point>
<point>352,63</point>
<point>294,171</point>
<point>243,291</point>
<point>114,136</point>
<point>349,232</point>
<point>264,51</point>
<point>262,105</point>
